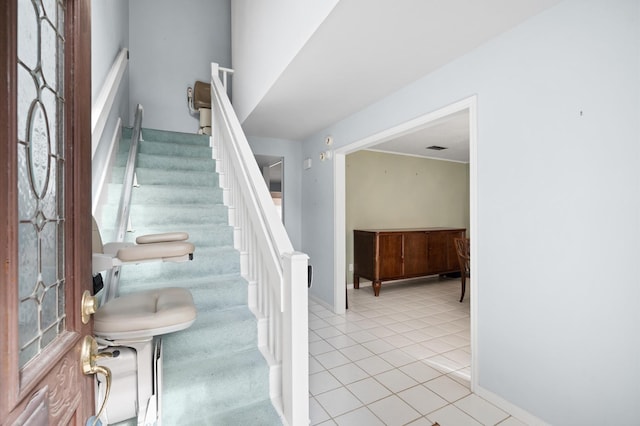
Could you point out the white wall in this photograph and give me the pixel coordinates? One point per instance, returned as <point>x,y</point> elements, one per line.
<point>172,45</point>
<point>291,152</point>
<point>266,37</point>
<point>109,35</point>
<point>558,206</point>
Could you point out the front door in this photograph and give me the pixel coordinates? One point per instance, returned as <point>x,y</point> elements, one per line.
<point>45,213</point>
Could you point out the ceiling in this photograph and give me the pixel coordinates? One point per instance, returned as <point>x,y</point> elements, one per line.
<point>367,49</point>
<point>450,132</point>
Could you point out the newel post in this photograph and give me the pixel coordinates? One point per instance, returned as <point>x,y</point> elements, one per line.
<point>295,355</point>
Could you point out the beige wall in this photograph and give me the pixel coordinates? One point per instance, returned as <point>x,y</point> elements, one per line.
<point>396,191</point>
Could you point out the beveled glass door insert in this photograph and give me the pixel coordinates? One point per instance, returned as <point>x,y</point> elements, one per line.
<point>41,163</point>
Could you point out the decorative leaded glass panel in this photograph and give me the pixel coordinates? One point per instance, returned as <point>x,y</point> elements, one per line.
<point>40,174</point>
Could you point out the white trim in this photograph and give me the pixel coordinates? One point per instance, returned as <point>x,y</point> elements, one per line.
<point>517,412</point>
<point>339,244</point>
<point>100,197</point>
<point>426,157</point>
<point>473,236</point>
<point>104,101</point>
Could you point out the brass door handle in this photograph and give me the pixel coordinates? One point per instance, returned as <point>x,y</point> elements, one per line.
<point>88,356</point>
<point>89,306</point>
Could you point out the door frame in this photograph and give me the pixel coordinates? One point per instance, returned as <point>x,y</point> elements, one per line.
<point>339,203</point>
<point>62,356</point>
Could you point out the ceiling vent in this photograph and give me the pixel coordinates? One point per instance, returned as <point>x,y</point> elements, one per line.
<point>436,147</point>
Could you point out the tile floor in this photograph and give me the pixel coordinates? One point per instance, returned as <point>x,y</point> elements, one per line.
<point>399,359</point>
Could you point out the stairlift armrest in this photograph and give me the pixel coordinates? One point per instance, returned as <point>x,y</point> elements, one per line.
<point>159,251</point>
<point>162,238</point>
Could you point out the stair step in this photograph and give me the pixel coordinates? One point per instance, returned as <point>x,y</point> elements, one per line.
<point>238,378</point>
<point>214,334</point>
<point>165,194</point>
<point>206,261</point>
<point>175,137</point>
<point>165,162</point>
<point>163,177</point>
<point>176,215</point>
<point>173,149</point>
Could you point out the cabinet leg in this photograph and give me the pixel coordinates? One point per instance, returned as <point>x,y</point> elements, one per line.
<point>356,281</point>
<point>376,288</point>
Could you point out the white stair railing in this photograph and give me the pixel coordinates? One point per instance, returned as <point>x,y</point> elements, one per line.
<point>276,273</point>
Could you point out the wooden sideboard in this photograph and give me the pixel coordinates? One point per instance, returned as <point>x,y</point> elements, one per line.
<point>393,254</point>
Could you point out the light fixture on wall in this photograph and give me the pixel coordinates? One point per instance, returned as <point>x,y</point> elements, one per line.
<point>326,155</point>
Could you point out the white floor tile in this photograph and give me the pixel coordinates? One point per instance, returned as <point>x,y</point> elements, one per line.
<point>395,380</point>
<point>349,373</point>
<point>399,359</point>
<point>447,388</point>
<point>394,411</point>
<point>422,399</point>
<point>512,421</point>
<point>368,390</point>
<point>422,421</point>
<point>452,416</point>
<point>332,359</point>
<point>361,416</point>
<point>398,340</point>
<point>327,332</point>
<point>338,401</point>
<point>314,366</point>
<point>341,341</point>
<point>356,352</point>
<point>420,372</point>
<point>481,410</point>
<point>317,414</point>
<point>322,382</point>
<point>320,347</point>
<point>374,365</point>
<point>378,346</point>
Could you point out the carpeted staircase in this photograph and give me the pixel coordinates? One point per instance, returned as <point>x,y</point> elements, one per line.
<point>214,373</point>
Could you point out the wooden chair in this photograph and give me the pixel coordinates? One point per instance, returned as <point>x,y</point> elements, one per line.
<point>463,251</point>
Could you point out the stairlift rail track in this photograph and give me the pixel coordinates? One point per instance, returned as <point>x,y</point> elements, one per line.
<point>122,218</point>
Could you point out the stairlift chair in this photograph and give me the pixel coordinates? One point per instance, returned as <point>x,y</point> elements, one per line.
<point>199,102</point>
<point>165,247</point>
<point>127,328</point>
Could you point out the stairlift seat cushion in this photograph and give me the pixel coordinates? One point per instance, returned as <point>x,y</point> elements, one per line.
<point>140,252</point>
<point>162,238</point>
<point>145,314</point>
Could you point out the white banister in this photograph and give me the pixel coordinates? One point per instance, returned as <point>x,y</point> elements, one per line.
<point>276,273</point>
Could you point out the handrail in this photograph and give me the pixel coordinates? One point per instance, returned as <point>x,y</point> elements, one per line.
<point>277,275</point>
<point>258,193</point>
<point>122,217</point>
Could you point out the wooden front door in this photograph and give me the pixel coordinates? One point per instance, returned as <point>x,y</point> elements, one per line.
<point>45,210</point>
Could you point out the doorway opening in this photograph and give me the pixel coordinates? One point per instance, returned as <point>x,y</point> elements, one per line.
<point>272,169</point>
<point>340,262</point>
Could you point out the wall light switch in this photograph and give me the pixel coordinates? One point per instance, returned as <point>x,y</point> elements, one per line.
<point>306,164</point>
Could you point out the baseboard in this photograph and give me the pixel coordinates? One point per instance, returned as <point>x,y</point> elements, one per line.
<point>523,415</point>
